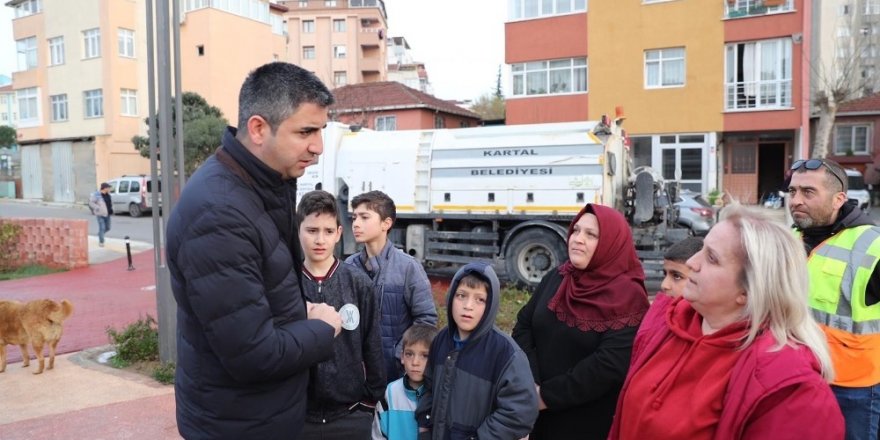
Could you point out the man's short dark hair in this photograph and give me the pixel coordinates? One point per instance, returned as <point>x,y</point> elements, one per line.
<point>377,201</point>
<point>836,179</point>
<point>317,202</point>
<point>274,91</point>
<point>683,250</point>
<point>418,332</point>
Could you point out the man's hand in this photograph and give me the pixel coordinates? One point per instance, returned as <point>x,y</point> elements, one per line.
<point>327,314</point>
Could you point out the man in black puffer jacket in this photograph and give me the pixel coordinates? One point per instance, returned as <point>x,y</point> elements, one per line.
<point>246,337</point>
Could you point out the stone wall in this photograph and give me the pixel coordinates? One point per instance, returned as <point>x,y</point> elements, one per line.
<point>56,243</point>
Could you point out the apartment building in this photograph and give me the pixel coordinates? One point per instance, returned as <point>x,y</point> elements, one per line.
<point>846,54</point>
<point>403,68</point>
<point>341,41</point>
<point>81,85</point>
<point>546,46</point>
<point>79,92</point>
<point>221,41</point>
<point>715,92</point>
<point>8,107</point>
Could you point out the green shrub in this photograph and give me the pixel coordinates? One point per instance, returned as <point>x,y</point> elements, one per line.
<point>137,342</point>
<point>164,373</point>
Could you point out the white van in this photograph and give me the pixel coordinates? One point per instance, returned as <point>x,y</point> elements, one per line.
<point>857,189</point>
<point>131,194</point>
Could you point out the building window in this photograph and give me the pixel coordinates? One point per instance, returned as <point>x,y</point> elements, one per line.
<point>664,68</point>
<point>28,7</point>
<point>872,7</point>
<point>27,106</point>
<point>439,121</point>
<point>338,25</point>
<point>304,3</point>
<point>758,74</point>
<point>746,8</point>
<point>308,26</point>
<point>201,50</point>
<point>521,9</point>
<point>851,139</point>
<point>126,43</point>
<point>340,78</point>
<point>308,52</point>
<point>92,43</point>
<point>330,3</point>
<point>59,107</point>
<point>129,103</point>
<point>386,123</point>
<point>338,51</point>
<point>27,53</point>
<point>550,77</point>
<point>94,103</point>
<point>743,159</point>
<point>56,51</point>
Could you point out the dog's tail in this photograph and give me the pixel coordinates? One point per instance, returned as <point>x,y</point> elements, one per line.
<point>61,311</point>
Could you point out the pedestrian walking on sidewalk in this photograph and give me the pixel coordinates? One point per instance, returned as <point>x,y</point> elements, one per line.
<point>102,208</point>
<point>246,337</point>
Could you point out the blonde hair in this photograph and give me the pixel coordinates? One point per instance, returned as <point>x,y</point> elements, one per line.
<point>776,280</point>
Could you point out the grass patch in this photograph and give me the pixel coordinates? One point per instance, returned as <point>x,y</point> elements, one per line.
<point>28,271</point>
<point>512,300</point>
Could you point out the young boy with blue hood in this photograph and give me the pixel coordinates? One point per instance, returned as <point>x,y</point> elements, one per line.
<point>478,382</point>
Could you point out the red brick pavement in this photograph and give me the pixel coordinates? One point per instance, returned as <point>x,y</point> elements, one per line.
<point>103,295</point>
<point>148,418</point>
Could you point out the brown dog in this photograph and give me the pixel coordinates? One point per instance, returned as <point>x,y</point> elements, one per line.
<point>41,321</point>
<point>12,332</point>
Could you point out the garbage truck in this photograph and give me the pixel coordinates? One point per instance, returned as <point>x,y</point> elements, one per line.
<point>500,193</point>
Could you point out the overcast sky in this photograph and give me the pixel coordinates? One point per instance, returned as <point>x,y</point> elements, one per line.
<point>461,42</point>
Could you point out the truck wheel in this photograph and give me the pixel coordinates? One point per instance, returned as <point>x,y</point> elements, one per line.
<point>533,253</point>
<point>134,210</point>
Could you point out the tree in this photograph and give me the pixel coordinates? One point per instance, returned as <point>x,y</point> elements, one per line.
<point>842,78</point>
<point>203,127</point>
<point>489,107</point>
<point>498,93</point>
<point>8,136</point>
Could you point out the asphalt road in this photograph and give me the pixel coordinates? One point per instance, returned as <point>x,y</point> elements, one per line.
<point>138,229</point>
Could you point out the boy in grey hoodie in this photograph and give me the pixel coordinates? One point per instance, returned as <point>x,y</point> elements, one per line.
<point>478,382</point>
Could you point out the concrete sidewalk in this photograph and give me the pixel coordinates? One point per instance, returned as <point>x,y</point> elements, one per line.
<point>81,397</point>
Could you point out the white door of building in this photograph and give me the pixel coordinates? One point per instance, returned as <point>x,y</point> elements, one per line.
<point>31,172</point>
<point>62,171</point>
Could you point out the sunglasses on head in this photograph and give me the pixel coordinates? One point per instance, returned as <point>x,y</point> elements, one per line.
<point>815,164</point>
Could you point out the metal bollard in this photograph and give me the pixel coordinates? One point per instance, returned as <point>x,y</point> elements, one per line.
<point>128,252</point>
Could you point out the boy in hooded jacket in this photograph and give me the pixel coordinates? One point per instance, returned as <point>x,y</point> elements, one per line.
<point>478,383</point>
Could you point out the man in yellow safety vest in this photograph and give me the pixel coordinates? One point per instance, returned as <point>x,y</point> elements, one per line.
<point>844,247</point>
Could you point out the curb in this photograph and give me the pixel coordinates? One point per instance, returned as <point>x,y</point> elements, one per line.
<point>88,359</point>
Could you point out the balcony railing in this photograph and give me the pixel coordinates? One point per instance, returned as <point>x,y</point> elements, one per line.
<point>766,94</point>
<point>751,8</point>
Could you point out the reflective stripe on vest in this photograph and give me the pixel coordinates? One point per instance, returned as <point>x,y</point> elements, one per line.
<point>840,269</point>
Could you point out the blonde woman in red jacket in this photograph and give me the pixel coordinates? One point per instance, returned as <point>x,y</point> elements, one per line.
<point>738,356</point>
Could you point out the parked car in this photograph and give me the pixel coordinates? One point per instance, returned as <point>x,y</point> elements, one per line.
<point>131,194</point>
<point>695,212</point>
<point>857,189</point>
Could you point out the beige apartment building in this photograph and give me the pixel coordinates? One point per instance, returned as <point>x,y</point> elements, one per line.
<point>80,90</point>
<point>341,41</point>
<point>79,93</point>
